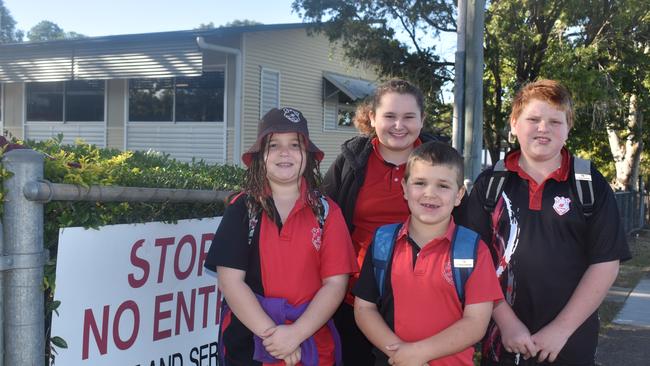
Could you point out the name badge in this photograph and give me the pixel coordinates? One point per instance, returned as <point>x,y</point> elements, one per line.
<point>463,263</point>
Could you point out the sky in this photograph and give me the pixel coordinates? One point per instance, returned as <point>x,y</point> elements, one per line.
<point>111,17</point>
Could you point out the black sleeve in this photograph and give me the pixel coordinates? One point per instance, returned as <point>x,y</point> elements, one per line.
<point>366,287</point>
<point>473,214</point>
<point>332,181</point>
<point>230,244</point>
<point>606,236</point>
<point>460,212</point>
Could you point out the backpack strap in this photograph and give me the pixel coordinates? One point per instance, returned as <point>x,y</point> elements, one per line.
<point>463,258</point>
<point>584,186</point>
<point>495,185</point>
<point>382,247</point>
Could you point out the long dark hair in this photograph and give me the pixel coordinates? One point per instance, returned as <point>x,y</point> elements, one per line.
<point>257,188</point>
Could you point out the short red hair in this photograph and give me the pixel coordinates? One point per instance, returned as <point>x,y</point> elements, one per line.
<point>549,91</point>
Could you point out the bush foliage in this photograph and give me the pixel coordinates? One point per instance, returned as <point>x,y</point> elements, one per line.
<point>88,165</point>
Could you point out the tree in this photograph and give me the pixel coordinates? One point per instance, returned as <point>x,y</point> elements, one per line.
<point>46,30</point>
<point>598,49</point>
<point>397,37</point>
<point>8,31</point>
<point>241,23</point>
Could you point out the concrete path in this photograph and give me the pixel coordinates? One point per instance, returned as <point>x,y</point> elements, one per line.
<point>628,341</point>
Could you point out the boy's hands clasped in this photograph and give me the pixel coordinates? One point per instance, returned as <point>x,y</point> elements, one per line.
<point>406,354</point>
<point>546,344</point>
<point>517,339</point>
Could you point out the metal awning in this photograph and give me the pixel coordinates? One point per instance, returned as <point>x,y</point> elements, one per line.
<point>353,88</point>
<point>100,60</point>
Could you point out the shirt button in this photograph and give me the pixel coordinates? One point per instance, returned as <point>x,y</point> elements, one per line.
<point>396,168</point>
<point>396,179</point>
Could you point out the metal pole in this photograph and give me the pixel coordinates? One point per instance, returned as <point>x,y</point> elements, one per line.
<point>45,191</point>
<point>458,123</point>
<point>23,253</point>
<point>474,91</point>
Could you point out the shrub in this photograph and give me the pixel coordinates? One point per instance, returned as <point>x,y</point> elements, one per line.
<point>88,165</point>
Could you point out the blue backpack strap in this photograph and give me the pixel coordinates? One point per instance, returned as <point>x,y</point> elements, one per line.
<point>583,184</point>
<point>463,258</point>
<point>382,247</point>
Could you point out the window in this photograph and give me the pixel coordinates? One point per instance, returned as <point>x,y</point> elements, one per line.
<point>345,114</point>
<point>151,99</point>
<point>200,99</point>
<point>44,101</point>
<point>79,100</point>
<point>269,90</point>
<point>84,100</point>
<point>182,99</point>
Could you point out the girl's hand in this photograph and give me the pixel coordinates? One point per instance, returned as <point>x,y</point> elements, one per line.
<point>293,358</point>
<point>405,354</point>
<point>280,341</point>
<point>516,339</point>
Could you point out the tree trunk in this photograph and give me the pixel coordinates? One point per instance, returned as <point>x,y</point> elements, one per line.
<point>627,149</point>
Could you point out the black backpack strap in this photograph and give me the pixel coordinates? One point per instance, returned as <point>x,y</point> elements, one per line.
<point>463,258</point>
<point>583,183</point>
<point>495,185</point>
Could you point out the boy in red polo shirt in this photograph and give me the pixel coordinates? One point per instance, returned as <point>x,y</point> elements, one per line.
<point>420,319</point>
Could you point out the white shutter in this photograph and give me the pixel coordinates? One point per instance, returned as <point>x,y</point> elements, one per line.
<point>269,90</point>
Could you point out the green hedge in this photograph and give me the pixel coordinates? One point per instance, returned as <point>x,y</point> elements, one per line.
<point>87,165</point>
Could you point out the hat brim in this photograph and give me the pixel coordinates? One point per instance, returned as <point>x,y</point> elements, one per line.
<point>248,156</point>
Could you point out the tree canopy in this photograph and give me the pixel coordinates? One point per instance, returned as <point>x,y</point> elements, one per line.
<point>46,30</point>
<point>8,31</point>
<point>397,37</point>
<point>599,49</point>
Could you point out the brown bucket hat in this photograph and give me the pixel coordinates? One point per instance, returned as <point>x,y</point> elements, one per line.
<point>281,121</point>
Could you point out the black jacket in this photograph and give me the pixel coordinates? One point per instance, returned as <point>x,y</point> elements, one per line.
<point>346,175</point>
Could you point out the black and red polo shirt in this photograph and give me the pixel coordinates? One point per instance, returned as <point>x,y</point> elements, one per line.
<point>542,243</point>
<point>421,299</point>
<point>290,262</point>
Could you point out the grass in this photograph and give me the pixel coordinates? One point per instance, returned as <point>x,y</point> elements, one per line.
<point>629,275</point>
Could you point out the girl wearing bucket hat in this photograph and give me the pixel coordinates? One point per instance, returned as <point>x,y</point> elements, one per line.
<point>282,253</point>
<point>365,180</point>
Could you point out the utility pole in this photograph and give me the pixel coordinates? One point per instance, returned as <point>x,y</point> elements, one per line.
<point>468,92</point>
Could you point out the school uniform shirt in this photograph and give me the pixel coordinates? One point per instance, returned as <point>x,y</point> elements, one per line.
<point>380,201</point>
<point>287,261</point>
<point>421,300</point>
<point>542,243</point>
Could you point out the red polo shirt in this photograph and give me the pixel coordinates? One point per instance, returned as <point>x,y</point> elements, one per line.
<point>535,190</point>
<point>380,201</point>
<point>292,261</point>
<point>424,297</point>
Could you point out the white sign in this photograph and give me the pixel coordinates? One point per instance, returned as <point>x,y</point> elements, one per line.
<point>137,295</point>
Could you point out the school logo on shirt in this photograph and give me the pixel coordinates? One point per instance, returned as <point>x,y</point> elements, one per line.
<point>561,205</point>
<point>315,237</point>
<point>446,273</point>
